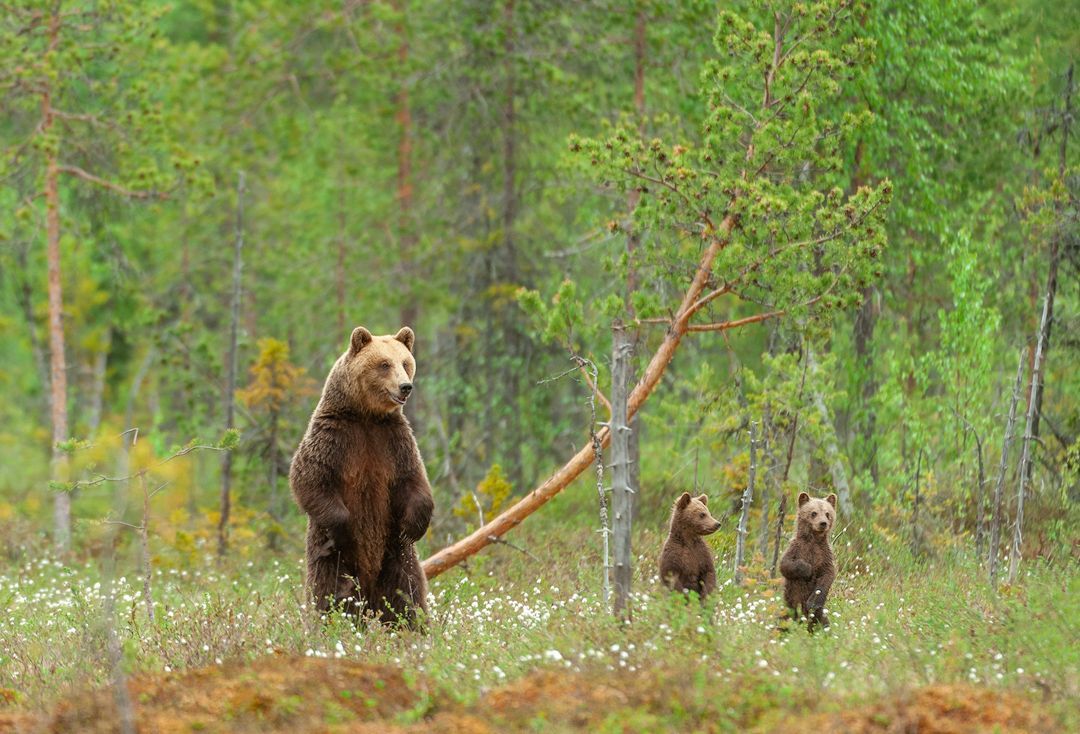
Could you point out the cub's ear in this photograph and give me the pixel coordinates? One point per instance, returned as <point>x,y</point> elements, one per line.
<point>803,498</point>
<point>703,499</point>
<point>361,337</point>
<point>831,499</point>
<point>683,501</point>
<point>406,337</point>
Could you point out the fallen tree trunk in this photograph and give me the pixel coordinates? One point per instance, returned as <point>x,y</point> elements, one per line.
<point>490,533</point>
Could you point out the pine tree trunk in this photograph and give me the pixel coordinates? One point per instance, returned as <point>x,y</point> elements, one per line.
<point>57,359</point>
<point>410,310</point>
<point>230,378</point>
<point>511,373</point>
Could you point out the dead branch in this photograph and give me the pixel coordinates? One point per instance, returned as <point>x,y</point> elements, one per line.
<point>111,186</point>
<point>514,515</point>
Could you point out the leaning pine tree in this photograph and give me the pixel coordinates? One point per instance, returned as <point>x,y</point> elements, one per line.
<point>747,223</point>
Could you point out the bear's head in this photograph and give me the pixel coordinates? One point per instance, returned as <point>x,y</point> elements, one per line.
<point>816,515</point>
<point>691,516</point>
<point>375,374</point>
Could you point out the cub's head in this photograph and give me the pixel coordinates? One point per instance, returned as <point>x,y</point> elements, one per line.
<point>816,515</point>
<point>690,516</point>
<point>375,375</point>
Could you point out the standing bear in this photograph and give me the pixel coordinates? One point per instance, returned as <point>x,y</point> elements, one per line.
<point>686,562</point>
<point>359,477</point>
<point>808,567</point>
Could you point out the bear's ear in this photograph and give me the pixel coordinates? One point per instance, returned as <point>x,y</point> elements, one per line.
<point>703,499</point>
<point>803,498</point>
<point>406,337</point>
<point>683,501</point>
<point>831,499</point>
<point>361,337</point>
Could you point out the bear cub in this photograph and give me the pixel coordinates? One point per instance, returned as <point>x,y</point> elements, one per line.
<point>686,562</point>
<point>808,566</point>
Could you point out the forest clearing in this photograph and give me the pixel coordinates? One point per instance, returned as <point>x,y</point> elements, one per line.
<point>529,365</point>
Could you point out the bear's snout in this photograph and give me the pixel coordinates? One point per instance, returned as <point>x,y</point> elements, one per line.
<point>822,525</point>
<point>405,388</point>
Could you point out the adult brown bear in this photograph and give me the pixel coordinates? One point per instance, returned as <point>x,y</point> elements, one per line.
<point>359,477</point>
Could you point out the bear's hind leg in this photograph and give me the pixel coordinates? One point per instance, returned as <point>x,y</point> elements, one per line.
<point>401,593</point>
<point>330,580</point>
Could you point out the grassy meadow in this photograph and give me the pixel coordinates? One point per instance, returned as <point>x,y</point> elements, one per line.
<point>521,640</point>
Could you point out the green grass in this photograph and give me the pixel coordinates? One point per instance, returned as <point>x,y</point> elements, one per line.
<point>897,624</point>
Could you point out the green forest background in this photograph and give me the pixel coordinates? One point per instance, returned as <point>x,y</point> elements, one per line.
<point>462,167</point>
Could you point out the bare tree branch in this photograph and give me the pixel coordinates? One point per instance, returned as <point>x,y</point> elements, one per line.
<point>111,186</point>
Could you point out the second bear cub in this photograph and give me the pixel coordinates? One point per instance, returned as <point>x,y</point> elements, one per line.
<point>686,563</point>
<point>808,567</point>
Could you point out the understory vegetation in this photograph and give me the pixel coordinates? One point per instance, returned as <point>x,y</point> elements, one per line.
<point>901,628</point>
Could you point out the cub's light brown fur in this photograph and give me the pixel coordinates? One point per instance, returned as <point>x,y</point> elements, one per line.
<point>359,477</point>
<point>686,562</point>
<point>808,566</point>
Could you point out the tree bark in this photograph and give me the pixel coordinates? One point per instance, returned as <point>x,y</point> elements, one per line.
<point>510,373</point>
<point>230,378</point>
<point>454,554</point>
<point>766,484</point>
<point>57,359</point>
<point>96,393</point>
<point>1047,323</point>
<point>275,500</point>
<point>25,294</point>
<point>999,487</point>
<point>744,515</point>
<point>980,517</point>
<point>339,275</point>
<point>633,241</point>
<point>622,491</point>
<point>836,461</point>
<point>1025,456</point>
<point>410,310</point>
<point>916,529</point>
<point>865,321</point>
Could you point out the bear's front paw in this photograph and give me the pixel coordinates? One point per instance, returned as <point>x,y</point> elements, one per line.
<point>415,523</point>
<point>341,535</point>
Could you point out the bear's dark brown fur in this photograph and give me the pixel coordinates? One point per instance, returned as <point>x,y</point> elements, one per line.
<point>686,562</point>
<point>359,477</point>
<point>808,566</point>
